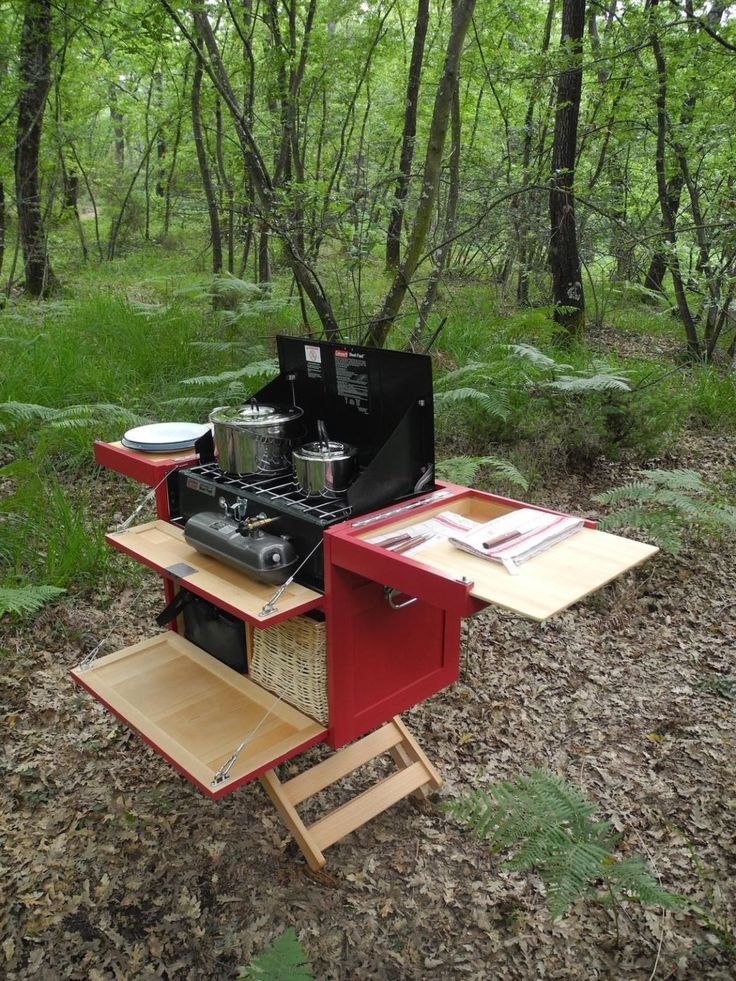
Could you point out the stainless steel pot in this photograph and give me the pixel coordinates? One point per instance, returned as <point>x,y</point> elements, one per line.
<point>325,468</point>
<point>256,438</point>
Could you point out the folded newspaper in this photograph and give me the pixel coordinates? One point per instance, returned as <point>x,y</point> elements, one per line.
<point>517,536</point>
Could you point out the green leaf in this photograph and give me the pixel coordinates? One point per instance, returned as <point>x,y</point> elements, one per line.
<point>25,600</point>
<point>549,824</point>
<point>463,470</point>
<point>493,404</point>
<point>257,368</point>
<point>284,960</point>
<point>601,382</point>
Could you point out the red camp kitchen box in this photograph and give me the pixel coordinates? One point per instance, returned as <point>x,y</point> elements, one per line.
<point>359,633</point>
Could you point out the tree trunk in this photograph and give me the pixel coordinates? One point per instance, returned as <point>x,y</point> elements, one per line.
<point>379,327</point>
<point>35,81</point>
<point>204,169</point>
<point>524,229</point>
<point>668,219</point>
<point>2,225</point>
<point>396,218</point>
<point>567,282</point>
<point>440,256</point>
<point>116,117</point>
<point>227,184</point>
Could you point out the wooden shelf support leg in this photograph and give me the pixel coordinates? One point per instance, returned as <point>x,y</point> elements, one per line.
<point>415,775</point>
<point>289,815</point>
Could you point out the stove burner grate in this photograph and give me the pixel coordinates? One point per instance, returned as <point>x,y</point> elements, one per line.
<point>280,487</point>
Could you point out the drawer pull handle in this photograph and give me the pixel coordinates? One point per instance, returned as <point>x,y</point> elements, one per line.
<point>390,597</point>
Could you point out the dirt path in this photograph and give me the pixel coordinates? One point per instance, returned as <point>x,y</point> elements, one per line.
<point>114,867</point>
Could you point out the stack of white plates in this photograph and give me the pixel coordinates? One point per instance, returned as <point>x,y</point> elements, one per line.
<point>164,437</point>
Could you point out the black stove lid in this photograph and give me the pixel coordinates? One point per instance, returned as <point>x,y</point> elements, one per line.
<point>362,393</point>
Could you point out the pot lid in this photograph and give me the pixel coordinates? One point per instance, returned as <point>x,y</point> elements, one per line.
<point>253,415</point>
<point>331,450</point>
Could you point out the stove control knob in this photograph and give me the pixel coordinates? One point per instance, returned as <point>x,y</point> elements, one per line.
<point>276,558</point>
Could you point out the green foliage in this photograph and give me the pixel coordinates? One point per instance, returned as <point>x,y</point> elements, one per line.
<point>26,600</point>
<point>284,960</point>
<point>46,535</point>
<point>563,412</point>
<point>464,470</point>
<point>259,370</point>
<point>549,824</point>
<point>664,504</point>
<point>723,685</point>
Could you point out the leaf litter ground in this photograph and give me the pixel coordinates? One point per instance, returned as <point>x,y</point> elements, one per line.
<point>113,867</point>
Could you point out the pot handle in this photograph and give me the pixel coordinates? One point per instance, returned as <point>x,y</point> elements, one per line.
<point>322,434</point>
<point>253,403</point>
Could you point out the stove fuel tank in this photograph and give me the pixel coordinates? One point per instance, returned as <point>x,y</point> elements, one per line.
<point>267,558</point>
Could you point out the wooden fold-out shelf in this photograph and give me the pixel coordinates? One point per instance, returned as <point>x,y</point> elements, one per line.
<point>545,585</point>
<point>162,546</point>
<point>195,711</point>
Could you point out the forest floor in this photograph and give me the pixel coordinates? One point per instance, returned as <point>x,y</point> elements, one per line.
<point>115,867</point>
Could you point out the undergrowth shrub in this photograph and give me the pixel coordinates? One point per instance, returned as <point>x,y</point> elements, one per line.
<point>665,505</point>
<point>553,411</point>
<point>46,533</point>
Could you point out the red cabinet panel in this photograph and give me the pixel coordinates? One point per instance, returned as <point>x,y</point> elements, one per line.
<point>381,660</point>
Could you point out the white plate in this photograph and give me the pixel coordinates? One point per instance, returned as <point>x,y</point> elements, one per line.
<point>162,437</point>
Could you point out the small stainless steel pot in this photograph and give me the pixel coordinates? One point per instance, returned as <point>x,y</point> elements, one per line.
<point>325,468</point>
<point>256,438</point>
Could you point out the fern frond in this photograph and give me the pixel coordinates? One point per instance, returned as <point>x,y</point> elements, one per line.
<point>637,490</point>
<point>190,403</point>
<point>600,382</point>
<point>257,368</point>
<point>567,874</point>
<point>632,876</point>
<point>471,368</point>
<point>19,412</point>
<point>662,528</point>
<point>226,284</point>
<point>223,347</point>
<point>689,480</point>
<point>549,823</point>
<point>23,341</point>
<point>679,502</point>
<point>97,412</point>
<point>25,600</point>
<point>532,354</point>
<point>463,470</point>
<point>495,404</point>
<point>721,514</point>
<point>284,960</point>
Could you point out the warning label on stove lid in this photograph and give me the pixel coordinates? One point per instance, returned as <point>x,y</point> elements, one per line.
<point>313,357</point>
<point>351,375</point>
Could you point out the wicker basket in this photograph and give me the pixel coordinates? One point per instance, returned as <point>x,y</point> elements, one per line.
<point>289,660</point>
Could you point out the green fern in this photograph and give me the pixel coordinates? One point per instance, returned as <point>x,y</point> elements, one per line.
<point>26,600</point>
<point>284,960</point>
<point>549,824</point>
<point>464,469</point>
<point>677,480</point>
<point>257,369</point>
<point>583,384</point>
<point>533,355</point>
<point>664,505</point>
<point>16,413</point>
<point>495,403</point>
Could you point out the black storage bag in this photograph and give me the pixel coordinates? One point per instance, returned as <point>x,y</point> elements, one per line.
<point>214,630</point>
